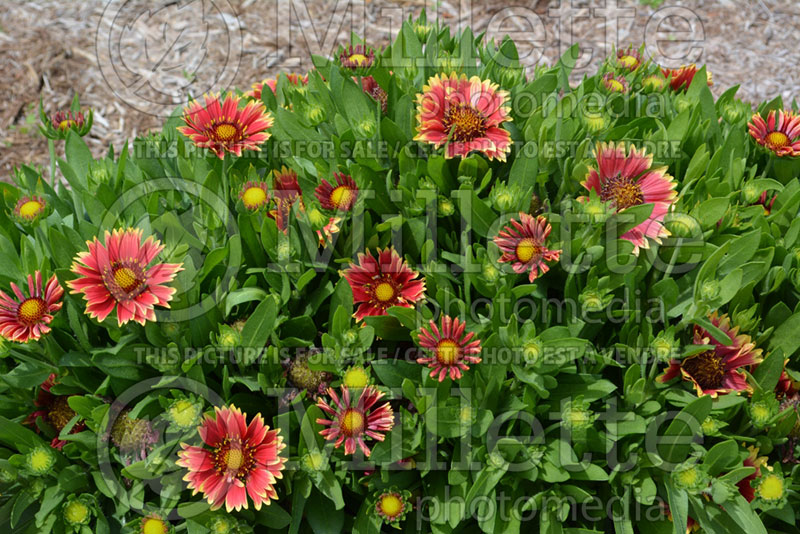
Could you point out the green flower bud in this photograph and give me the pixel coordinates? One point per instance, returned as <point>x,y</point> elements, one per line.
<point>532,352</point>
<point>761,412</point>
<point>228,337</point>
<point>711,426</point>
<point>751,192</point>
<point>771,489</point>
<point>367,127</point>
<point>356,378</point>
<point>664,347</point>
<point>496,460</point>
<point>709,289</point>
<point>653,83</point>
<point>185,414</point>
<point>350,336</point>
<point>284,251</point>
<point>577,415</point>
<point>690,477</point>
<point>223,524</point>
<point>40,460</point>
<point>490,273</point>
<point>682,225</point>
<point>314,462</point>
<point>446,207</point>
<point>593,300</point>
<point>315,114</point>
<point>77,511</point>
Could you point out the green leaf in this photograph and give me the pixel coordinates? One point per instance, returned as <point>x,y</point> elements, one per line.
<point>721,456</point>
<point>260,325</point>
<point>675,445</point>
<point>786,336</point>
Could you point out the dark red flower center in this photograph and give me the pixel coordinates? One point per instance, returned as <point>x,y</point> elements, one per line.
<point>31,311</point>
<point>448,352</point>
<point>527,250</point>
<point>777,139</point>
<point>234,458</point>
<point>352,422</point>
<point>60,413</point>
<point>465,122</point>
<point>706,368</point>
<point>622,190</point>
<point>125,280</point>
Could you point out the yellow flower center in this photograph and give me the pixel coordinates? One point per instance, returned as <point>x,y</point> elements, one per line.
<point>341,196</point>
<point>126,279</point>
<point>527,249</point>
<point>233,458</point>
<point>384,292</point>
<point>31,311</point>
<point>66,124</point>
<point>153,525</point>
<point>225,132</point>
<point>623,190</point>
<point>447,352</point>
<point>30,209</point>
<point>628,61</point>
<point>777,139</point>
<point>706,368</point>
<point>76,512</point>
<point>352,423</point>
<point>465,122</point>
<point>254,197</point>
<point>356,377</point>
<point>760,412</point>
<point>391,505</point>
<point>360,59</point>
<point>615,86</point>
<point>771,488</point>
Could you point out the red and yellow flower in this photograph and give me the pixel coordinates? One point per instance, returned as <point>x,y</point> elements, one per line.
<point>382,282</point>
<point>154,524</point>
<point>629,58</point>
<point>222,127</point>
<point>680,79</point>
<point>614,83</point>
<point>392,506</point>
<point>116,276</point>
<point>523,244</point>
<point>463,114</point>
<point>625,179</point>
<point>55,411</point>
<point>25,318</point>
<point>371,87</point>
<point>239,460</point>
<point>341,197</point>
<point>717,370</point>
<point>328,231</point>
<point>780,133</point>
<point>254,195</point>
<point>357,57</point>
<point>450,348</point>
<point>285,184</point>
<point>294,78</point>
<point>30,208</point>
<point>352,423</point>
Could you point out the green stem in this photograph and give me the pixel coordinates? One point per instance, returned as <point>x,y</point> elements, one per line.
<point>225,185</point>
<point>52,147</point>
